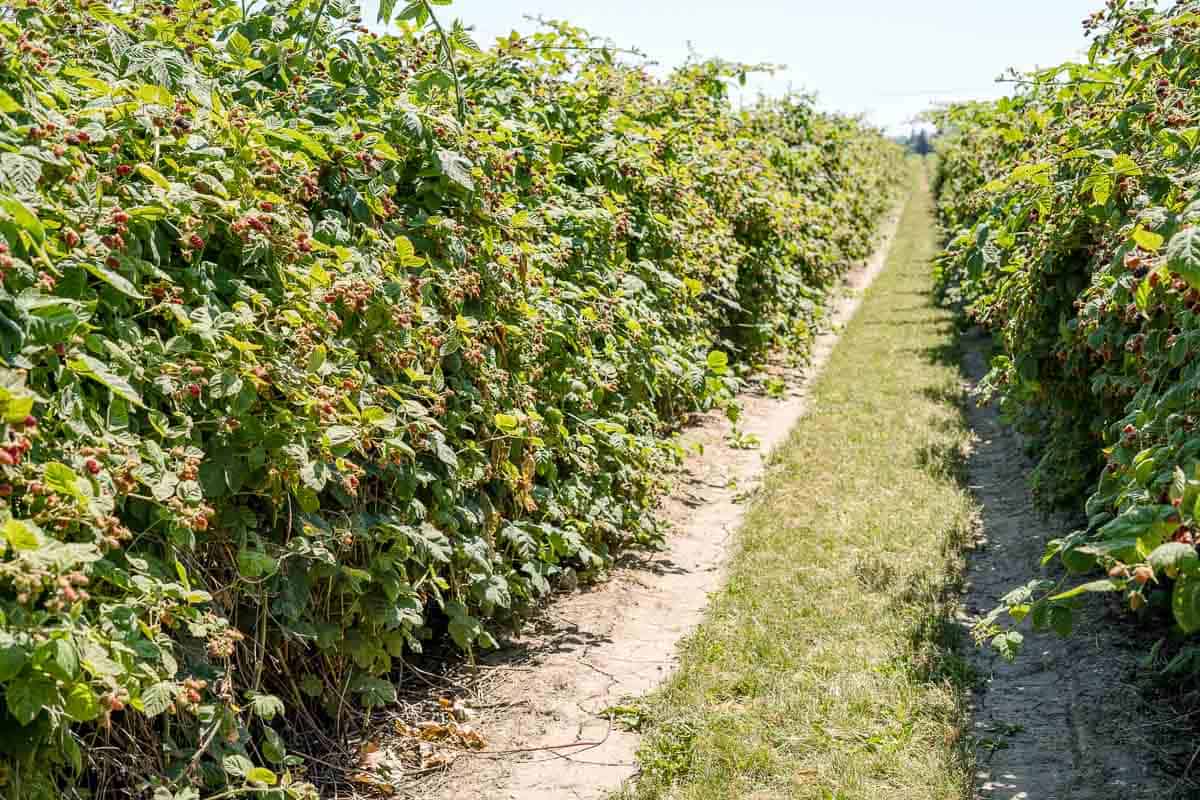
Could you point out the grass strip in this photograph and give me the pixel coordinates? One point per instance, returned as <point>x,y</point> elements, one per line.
<point>827,666</point>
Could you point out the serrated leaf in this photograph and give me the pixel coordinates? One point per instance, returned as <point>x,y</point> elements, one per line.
<point>237,765</point>
<point>1174,557</point>
<point>23,217</point>
<point>154,176</point>
<point>1185,602</point>
<point>22,535</point>
<point>8,103</point>
<point>113,279</point>
<point>82,704</point>
<point>261,776</point>
<point>457,168</point>
<point>1147,240</point>
<point>27,697</point>
<point>266,706</point>
<point>89,367</point>
<point>1106,585</point>
<point>1183,255</point>
<point>158,698</point>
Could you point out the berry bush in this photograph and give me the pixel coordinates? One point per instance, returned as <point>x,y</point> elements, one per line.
<point>1074,235</point>
<point>321,346</point>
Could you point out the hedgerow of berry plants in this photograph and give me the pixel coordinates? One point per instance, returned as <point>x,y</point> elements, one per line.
<point>322,345</point>
<point>1081,251</point>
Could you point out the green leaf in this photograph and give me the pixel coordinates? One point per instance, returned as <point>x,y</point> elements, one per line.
<point>82,704</point>
<point>1125,165</point>
<point>26,698</point>
<point>89,367</point>
<point>262,776</point>
<point>1175,558</point>
<point>506,422</point>
<point>113,279</point>
<point>307,143</point>
<point>406,253</point>
<point>255,564</point>
<point>62,659</point>
<point>1008,644</point>
<point>16,409</point>
<point>238,46</point>
<point>23,217</point>
<point>374,692</point>
<point>464,630</point>
<point>237,765</point>
<point>1185,602</point>
<point>154,176</point>
<point>316,359</point>
<point>1183,255</point>
<point>266,706</point>
<point>158,698</point>
<point>62,479</point>
<point>22,535</point>
<point>13,659</point>
<point>718,361</point>
<point>1106,585</point>
<point>8,104</point>
<point>273,746</point>
<point>457,168</point>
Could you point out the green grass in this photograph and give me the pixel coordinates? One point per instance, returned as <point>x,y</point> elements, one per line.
<point>826,667</point>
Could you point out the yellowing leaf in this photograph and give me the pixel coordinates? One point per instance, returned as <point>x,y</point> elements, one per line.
<point>1147,240</point>
<point>154,176</point>
<point>9,105</point>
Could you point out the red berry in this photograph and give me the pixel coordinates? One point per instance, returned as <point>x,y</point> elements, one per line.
<point>266,205</point>
<point>6,458</point>
<point>92,466</point>
<point>71,238</point>
<point>124,170</point>
<point>195,242</point>
<point>194,389</point>
<point>30,421</point>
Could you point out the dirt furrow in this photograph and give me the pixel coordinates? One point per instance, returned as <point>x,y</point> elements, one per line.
<point>1062,721</point>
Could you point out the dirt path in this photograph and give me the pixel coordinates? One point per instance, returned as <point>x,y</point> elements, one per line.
<point>549,708</point>
<point>1062,722</point>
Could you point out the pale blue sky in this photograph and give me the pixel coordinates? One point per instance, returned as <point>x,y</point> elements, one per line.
<point>888,59</point>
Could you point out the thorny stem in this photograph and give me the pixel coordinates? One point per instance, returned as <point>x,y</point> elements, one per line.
<point>458,92</point>
<point>313,31</point>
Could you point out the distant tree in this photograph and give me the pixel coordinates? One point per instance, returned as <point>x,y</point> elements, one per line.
<point>918,142</point>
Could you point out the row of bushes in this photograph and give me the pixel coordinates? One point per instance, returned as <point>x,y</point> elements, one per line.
<point>1074,235</point>
<point>323,345</point>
